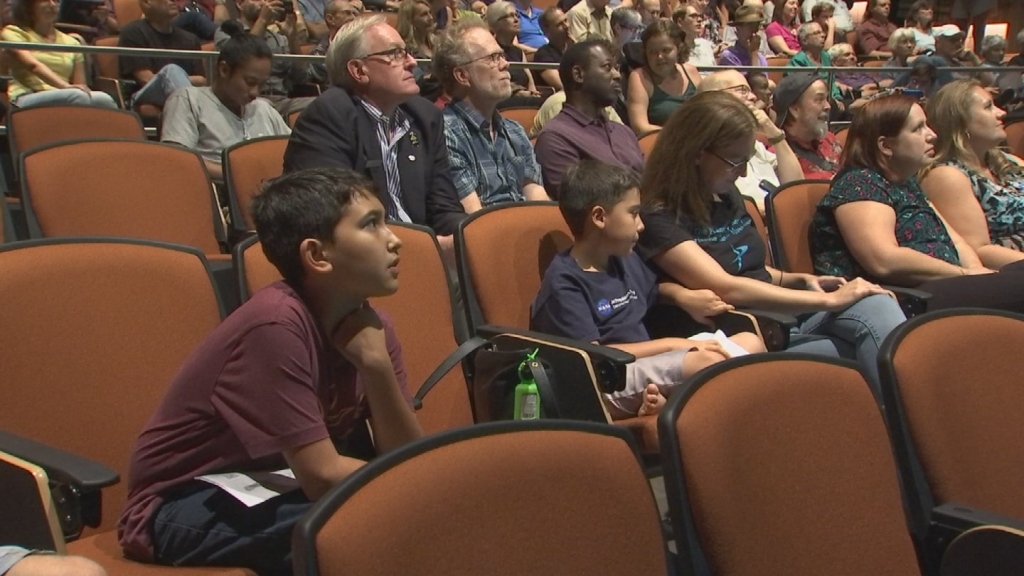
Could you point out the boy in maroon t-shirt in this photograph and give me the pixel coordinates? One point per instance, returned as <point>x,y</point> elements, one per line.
<point>288,379</point>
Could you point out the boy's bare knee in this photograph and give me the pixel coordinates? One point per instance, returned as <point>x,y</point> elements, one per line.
<point>85,567</point>
<point>53,565</point>
<point>749,341</point>
<point>697,360</point>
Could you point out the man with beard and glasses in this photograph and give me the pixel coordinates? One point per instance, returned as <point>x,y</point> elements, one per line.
<point>491,157</point>
<point>801,110</point>
<point>583,130</point>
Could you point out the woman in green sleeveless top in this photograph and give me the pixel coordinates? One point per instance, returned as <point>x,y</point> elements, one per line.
<point>662,84</point>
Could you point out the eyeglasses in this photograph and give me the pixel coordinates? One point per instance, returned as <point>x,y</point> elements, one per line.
<point>734,166</point>
<point>513,15</point>
<point>741,89</point>
<point>393,56</point>
<point>494,58</point>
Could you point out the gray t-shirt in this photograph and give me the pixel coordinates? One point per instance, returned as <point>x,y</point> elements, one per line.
<point>196,119</point>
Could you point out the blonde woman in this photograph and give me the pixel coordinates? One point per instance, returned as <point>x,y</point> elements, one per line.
<point>416,26</point>
<point>976,186</point>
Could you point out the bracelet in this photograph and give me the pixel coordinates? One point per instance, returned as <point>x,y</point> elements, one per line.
<point>782,275</point>
<point>777,139</point>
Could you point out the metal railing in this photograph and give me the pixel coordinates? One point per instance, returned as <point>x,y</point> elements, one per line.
<point>212,56</point>
<point>210,59</point>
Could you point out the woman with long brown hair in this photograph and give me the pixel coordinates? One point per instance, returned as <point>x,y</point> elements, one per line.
<point>699,234</point>
<point>876,221</point>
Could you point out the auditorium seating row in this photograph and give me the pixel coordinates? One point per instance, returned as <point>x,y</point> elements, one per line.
<point>794,445</point>
<point>94,330</point>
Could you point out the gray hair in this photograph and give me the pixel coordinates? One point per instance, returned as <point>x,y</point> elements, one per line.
<point>899,35</point>
<point>625,16</point>
<point>1020,37</point>
<point>992,42</point>
<point>347,45</point>
<point>497,11</point>
<point>804,31</point>
<point>451,50</point>
<point>836,49</point>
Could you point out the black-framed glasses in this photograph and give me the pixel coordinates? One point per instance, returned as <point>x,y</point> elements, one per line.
<point>494,58</point>
<point>392,55</point>
<point>732,165</point>
<point>741,89</point>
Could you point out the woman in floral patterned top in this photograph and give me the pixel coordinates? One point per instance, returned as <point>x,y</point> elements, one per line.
<point>977,187</point>
<point>876,222</point>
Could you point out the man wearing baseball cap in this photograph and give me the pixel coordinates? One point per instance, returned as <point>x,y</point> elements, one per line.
<point>950,53</point>
<point>801,109</point>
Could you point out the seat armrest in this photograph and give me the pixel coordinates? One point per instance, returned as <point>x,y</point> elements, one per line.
<point>912,300</point>
<point>114,87</point>
<point>963,518</point>
<point>62,467</point>
<point>609,363</point>
<point>786,320</point>
<point>949,521</point>
<point>593,350</point>
<point>772,327</point>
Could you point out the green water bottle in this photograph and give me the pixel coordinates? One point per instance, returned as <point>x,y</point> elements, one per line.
<point>527,398</point>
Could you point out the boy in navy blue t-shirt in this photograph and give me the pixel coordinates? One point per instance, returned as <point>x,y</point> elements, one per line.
<point>600,290</point>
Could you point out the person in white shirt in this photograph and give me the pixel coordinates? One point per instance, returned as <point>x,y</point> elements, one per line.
<point>919,18</point>
<point>702,51</point>
<point>842,16</point>
<point>210,119</point>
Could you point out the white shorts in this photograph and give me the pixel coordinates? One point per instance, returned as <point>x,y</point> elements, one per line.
<point>11,555</point>
<point>664,370</point>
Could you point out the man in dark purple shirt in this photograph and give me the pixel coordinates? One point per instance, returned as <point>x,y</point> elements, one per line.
<point>287,380</point>
<point>581,130</point>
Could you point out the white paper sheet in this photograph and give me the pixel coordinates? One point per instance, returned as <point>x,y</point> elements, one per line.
<point>734,350</point>
<point>247,489</point>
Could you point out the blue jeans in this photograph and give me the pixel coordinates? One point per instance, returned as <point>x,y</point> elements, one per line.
<point>65,97</point>
<point>161,85</point>
<point>855,333</point>
<point>204,526</point>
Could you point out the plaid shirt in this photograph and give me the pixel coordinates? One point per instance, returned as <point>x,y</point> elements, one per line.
<point>496,169</point>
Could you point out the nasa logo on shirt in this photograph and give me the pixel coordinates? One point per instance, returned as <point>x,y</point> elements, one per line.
<point>604,307</point>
